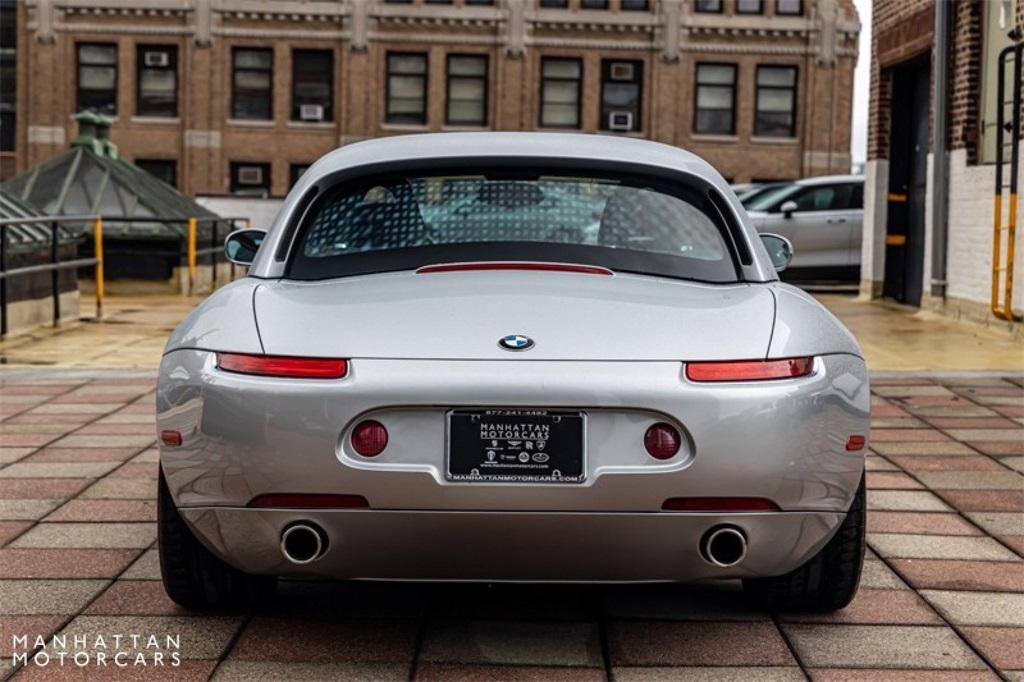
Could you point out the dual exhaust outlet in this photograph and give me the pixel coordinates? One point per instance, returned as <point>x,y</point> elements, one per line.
<point>724,546</point>
<point>304,542</point>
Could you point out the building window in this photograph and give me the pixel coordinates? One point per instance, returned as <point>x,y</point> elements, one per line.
<point>312,85</point>
<point>621,94</point>
<point>467,90</point>
<point>776,101</point>
<point>789,7</point>
<point>252,83</point>
<point>560,92</point>
<point>715,99</point>
<point>97,78</point>
<point>633,5</point>
<point>478,2</point>
<point>709,6</point>
<point>157,91</point>
<point>8,78</point>
<point>593,4</point>
<point>295,172</point>
<point>749,7</point>
<point>250,179</point>
<point>554,4</point>
<point>406,88</point>
<point>162,169</point>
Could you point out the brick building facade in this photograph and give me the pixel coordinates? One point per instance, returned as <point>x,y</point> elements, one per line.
<point>901,233</point>
<point>241,95</point>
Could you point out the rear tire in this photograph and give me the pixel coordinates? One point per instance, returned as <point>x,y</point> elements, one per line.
<point>829,580</point>
<point>195,578</point>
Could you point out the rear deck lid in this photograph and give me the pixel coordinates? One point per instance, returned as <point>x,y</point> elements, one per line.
<point>464,315</point>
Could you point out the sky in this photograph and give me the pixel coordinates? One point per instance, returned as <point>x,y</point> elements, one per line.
<point>861,85</point>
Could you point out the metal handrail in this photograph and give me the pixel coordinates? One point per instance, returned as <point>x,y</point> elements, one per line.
<point>191,254</point>
<point>191,251</point>
<point>55,265</point>
<point>1003,273</point>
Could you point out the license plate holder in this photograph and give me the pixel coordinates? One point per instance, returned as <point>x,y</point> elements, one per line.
<point>516,446</point>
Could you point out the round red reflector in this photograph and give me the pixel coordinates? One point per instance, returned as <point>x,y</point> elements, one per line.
<point>369,438</point>
<point>662,441</point>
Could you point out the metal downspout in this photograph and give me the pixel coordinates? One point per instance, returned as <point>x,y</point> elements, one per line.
<point>940,152</point>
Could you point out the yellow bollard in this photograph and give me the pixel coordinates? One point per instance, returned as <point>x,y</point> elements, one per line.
<point>97,242</point>
<point>191,256</point>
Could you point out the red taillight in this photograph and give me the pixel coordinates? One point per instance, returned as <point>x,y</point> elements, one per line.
<point>283,366</point>
<point>854,443</point>
<point>171,438</point>
<point>369,438</point>
<point>662,441</point>
<point>310,501</point>
<point>719,504</point>
<point>749,370</point>
<point>515,265</point>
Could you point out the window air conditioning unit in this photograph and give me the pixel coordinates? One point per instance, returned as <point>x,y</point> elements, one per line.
<point>622,71</point>
<point>311,112</point>
<point>157,59</point>
<point>250,175</point>
<point>620,120</point>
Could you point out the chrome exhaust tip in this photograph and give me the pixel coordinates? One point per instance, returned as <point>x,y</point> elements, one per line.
<point>303,542</point>
<point>724,546</point>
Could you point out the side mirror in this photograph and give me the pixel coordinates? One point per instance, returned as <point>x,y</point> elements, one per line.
<point>780,251</point>
<point>241,245</point>
<point>788,208</point>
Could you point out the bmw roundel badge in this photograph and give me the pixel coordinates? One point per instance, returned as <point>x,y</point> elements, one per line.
<point>516,342</point>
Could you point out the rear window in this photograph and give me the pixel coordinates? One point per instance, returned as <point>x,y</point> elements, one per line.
<point>404,222</point>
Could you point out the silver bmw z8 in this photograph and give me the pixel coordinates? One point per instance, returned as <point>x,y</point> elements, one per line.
<point>512,357</point>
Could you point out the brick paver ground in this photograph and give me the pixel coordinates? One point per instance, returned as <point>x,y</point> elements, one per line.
<point>942,596</point>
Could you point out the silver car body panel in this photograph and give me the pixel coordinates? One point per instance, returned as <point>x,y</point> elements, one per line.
<point>461,315</point>
<point>511,546</point>
<point>421,345</point>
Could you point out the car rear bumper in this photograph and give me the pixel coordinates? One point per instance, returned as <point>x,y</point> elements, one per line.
<point>246,436</point>
<point>512,546</point>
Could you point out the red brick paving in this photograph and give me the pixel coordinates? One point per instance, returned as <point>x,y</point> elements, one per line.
<point>185,672</point>
<point>82,455</point>
<point>878,607</point>
<point>695,644</point>
<point>997,447</point>
<point>866,675</point>
<point>12,529</point>
<point>105,510</point>
<point>27,626</point>
<point>65,563</point>
<point>353,641</point>
<point>942,574</point>
<point>923,523</point>
<point>41,488</point>
<point>891,480</point>
<point>916,463</point>
<point>516,632</point>
<point>1003,646</point>
<point>985,500</point>
<point>135,598</point>
<point>454,672</point>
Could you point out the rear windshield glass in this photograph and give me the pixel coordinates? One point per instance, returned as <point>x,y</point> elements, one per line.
<point>410,221</point>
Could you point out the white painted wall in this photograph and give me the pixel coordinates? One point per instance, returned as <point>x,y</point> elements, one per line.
<point>969,269</point>
<point>969,255</point>
<point>261,212</point>
<point>872,245</point>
